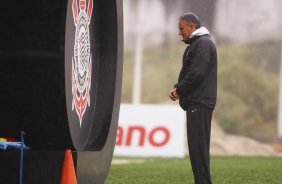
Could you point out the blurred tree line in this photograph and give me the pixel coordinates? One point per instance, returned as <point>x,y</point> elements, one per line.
<point>248,87</point>
<point>248,84</point>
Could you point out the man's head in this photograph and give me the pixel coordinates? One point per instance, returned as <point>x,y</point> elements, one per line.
<point>187,24</point>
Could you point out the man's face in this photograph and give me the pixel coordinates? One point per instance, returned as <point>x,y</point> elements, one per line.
<point>186,29</point>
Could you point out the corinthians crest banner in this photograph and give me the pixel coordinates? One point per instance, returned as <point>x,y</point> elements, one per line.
<point>93,71</point>
<point>81,61</point>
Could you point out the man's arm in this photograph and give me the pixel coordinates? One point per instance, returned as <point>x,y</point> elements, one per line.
<point>197,69</point>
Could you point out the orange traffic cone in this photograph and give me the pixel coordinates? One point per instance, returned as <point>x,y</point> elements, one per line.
<point>68,173</point>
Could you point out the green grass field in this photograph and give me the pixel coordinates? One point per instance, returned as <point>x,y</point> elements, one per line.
<point>224,170</point>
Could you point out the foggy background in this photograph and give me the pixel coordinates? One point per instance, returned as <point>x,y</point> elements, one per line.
<point>248,36</point>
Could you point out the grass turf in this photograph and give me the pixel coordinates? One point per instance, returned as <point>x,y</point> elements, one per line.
<point>224,170</point>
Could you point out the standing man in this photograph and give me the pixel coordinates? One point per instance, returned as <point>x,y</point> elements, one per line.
<point>197,91</point>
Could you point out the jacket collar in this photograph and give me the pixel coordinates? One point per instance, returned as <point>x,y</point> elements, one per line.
<point>197,33</point>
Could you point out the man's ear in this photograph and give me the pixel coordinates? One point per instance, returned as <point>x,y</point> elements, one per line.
<point>193,26</point>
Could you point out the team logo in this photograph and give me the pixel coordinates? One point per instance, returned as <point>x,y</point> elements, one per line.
<point>82,58</point>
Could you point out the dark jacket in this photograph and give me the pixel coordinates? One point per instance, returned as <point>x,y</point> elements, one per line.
<point>197,81</point>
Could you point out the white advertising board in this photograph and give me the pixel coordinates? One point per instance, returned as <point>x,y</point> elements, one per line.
<point>151,131</point>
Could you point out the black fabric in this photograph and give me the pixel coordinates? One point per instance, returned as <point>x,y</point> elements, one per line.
<point>198,135</point>
<point>197,81</point>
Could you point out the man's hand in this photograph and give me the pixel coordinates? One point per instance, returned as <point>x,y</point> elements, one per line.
<point>173,95</point>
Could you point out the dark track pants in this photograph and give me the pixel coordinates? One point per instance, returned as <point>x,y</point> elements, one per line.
<point>198,133</point>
